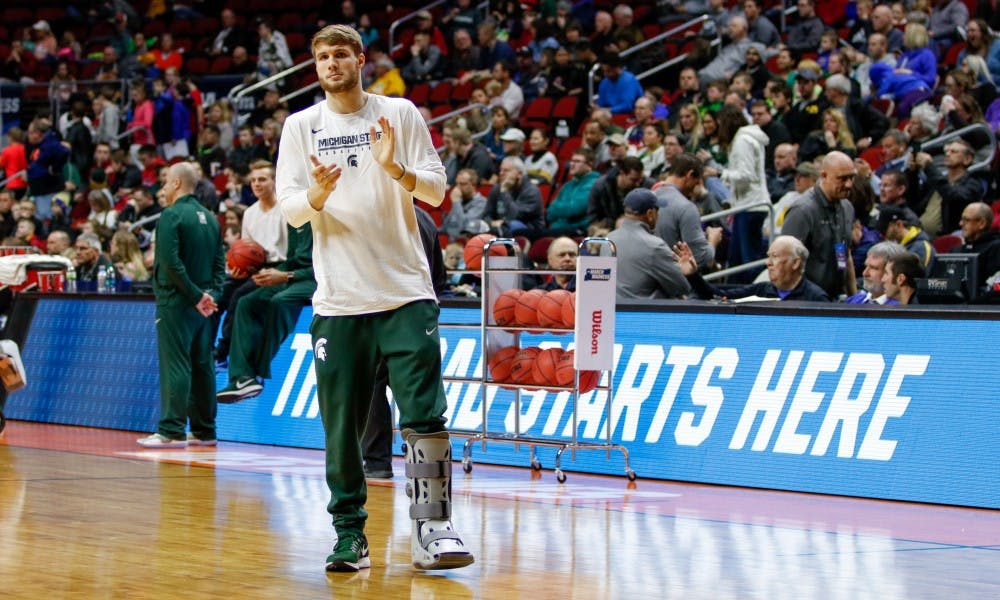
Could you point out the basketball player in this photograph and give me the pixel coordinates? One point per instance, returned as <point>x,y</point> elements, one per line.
<point>343,167</point>
<point>189,274</point>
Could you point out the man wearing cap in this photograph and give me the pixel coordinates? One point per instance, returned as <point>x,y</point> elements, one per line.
<point>824,222</point>
<point>894,226</point>
<point>619,89</point>
<point>513,142</point>
<point>807,114</point>
<point>617,150</point>
<point>646,266</point>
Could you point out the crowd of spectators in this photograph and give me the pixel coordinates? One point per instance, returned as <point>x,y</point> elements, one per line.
<point>824,114</point>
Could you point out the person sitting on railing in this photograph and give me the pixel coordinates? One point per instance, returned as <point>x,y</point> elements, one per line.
<point>941,198</point>
<point>786,265</point>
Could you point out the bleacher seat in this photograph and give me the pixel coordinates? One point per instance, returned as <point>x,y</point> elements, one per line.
<point>441,93</point>
<point>944,243</point>
<point>419,94</point>
<point>565,108</point>
<point>537,113</point>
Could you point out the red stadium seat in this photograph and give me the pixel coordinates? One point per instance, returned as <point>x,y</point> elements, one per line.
<point>539,252</point>
<point>419,94</point>
<point>568,147</point>
<point>460,93</point>
<point>873,156</point>
<point>944,243</point>
<point>951,57</point>
<point>565,108</point>
<point>441,93</point>
<point>536,114</point>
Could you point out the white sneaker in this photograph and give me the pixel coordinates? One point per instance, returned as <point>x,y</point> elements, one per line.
<point>159,441</point>
<point>192,440</point>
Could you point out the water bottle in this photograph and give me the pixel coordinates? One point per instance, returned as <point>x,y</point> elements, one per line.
<point>71,280</point>
<point>102,280</point>
<point>562,129</point>
<point>112,284</point>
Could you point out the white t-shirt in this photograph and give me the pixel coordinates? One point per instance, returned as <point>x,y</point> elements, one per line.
<point>367,252</point>
<point>267,228</point>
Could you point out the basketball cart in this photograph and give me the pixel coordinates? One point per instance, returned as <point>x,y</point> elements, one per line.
<point>594,324</point>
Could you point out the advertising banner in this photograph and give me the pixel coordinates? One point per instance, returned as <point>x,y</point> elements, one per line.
<point>828,404</point>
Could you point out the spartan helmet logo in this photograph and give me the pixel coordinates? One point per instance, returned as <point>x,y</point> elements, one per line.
<point>320,349</point>
<point>352,160</point>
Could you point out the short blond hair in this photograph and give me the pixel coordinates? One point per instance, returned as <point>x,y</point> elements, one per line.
<point>336,35</point>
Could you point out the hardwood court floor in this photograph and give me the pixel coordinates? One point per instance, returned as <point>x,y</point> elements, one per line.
<point>85,514</point>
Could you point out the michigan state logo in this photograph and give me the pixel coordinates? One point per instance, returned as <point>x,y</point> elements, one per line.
<point>320,349</point>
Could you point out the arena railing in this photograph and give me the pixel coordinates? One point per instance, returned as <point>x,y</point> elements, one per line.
<point>983,164</point>
<point>745,266</point>
<point>21,173</point>
<point>650,42</point>
<point>455,113</point>
<point>244,89</point>
<point>393,47</point>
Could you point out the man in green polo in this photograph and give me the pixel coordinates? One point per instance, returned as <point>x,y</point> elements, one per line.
<point>189,270</point>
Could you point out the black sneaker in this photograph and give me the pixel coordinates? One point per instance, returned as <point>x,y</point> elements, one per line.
<point>376,473</point>
<point>350,554</point>
<point>243,388</point>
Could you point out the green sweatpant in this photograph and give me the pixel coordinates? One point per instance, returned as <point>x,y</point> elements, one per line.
<point>346,354</point>
<point>187,372</point>
<point>262,321</point>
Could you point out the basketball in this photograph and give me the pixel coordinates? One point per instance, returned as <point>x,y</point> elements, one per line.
<point>473,252</point>
<point>550,307</point>
<point>501,363</point>
<point>247,256</point>
<point>523,365</point>
<point>565,372</point>
<point>504,307</point>
<point>546,363</point>
<point>569,310</point>
<point>526,311</point>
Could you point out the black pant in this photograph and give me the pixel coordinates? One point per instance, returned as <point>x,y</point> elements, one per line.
<point>232,291</point>
<point>377,441</point>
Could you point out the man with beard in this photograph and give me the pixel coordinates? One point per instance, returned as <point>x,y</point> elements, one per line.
<point>349,166</point>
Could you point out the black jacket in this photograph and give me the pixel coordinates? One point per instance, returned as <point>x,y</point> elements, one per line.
<point>805,290</point>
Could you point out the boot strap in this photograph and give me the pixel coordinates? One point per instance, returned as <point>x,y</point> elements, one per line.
<point>428,470</point>
<point>431,510</point>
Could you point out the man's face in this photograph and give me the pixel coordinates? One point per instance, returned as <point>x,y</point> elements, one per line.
<point>246,138</point>
<point>510,175</point>
<point>463,181</point>
<point>803,182</point>
<point>881,18</point>
<point>689,80</point>
<point>889,192</point>
<point>891,148</point>
<point>972,224</point>
<point>878,45</point>
<point>806,9</point>
<point>262,183</point>
<point>239,55</point>
<point>751,10</point>
<point>782,266</point>
<point>85,254</point>
<point>956,156</point>
<point>6,203</point>
<point>761,115</point>
<point>874,268</point>
<point>578,166</point>
<point>617,151</point>
<point>462,40</point>
<point>562,255</point>
<point>611,72</point>
<point>228,18</point>
<point>24,230</point>
<point>629,180</point>
<point>24,210</point>
<point>593,134</point>
<point>337,67</point>
<point>890,283</point>
<point>57,242</point>
<point>784,158</point>
<point>837,180</point>
<point>643,109</point>
<point>671,147</point>
<point>689,183</point>
<point>102,155</point>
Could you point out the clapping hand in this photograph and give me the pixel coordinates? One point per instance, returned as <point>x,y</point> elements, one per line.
<point>685,259</point>
<point>325,178</point>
